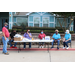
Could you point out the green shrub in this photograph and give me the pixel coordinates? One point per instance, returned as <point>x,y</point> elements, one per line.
<point>24,30</point>
<point>19,30</point>
<point>14,29</point>
<point>10,30</point>
<point>42,28</point>
<point>71,32</point>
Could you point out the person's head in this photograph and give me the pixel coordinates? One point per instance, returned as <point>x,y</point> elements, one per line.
<point>28,31</point>
<point>67,32</point>
<point>56,31</point>
<point>14,30</point>
<point>41,31</point>
<point>6,25</point>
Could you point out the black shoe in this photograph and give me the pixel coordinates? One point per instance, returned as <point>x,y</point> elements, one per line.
<point>57,47</point>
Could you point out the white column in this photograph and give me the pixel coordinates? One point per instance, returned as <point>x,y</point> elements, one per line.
<point>10,20</point>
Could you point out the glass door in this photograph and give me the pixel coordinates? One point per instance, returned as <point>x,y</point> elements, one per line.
<point>4,20</point>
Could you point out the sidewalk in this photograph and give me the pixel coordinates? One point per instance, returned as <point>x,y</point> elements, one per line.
<point>25,56</point>
<point>38,56</point>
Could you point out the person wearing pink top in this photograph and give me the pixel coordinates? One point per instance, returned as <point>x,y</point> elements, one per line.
<point>5,38</point>
<point>41,36</point>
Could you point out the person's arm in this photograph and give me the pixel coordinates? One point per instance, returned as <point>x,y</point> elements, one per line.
<point>30,35</point>
<point>53,37</point>
<point>4,35</point>
<point>3,32</point>
<point>39,37</point>
<point>59,37</point>
<point>69,38</point>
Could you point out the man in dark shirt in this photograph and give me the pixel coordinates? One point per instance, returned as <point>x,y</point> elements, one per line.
<point>12,39</point>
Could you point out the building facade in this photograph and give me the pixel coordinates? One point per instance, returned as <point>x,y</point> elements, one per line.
<point>33,19</point>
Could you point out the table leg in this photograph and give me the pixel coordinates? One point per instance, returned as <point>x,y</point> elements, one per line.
<point>19,47</point>
<point>48,47</point>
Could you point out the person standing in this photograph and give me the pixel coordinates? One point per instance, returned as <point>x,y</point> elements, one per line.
<point>5,38</point>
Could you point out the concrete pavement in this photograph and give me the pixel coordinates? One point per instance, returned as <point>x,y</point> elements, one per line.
<point>25,56</point>
<point>62,56</point>
<point>38,56</point>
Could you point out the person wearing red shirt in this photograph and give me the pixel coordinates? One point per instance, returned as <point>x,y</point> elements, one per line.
<point>41,36</point>
<point>5,38</point>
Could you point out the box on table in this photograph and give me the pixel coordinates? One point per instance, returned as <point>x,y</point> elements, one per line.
<point>18,38</point>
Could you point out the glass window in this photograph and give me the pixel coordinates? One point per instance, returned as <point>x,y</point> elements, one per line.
<point>36,22</point>
<point>45,22</point>
<point>61,21</point>
<point>21,20</point>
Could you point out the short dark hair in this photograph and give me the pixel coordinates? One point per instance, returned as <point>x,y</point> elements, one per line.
<point>41,30</point>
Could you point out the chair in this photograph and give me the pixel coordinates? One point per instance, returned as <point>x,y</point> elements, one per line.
<point>1,42</point>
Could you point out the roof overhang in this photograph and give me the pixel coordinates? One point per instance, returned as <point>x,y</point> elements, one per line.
<point>37,12</point>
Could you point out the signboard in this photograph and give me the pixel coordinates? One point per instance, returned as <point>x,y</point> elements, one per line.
<point>47,37</point>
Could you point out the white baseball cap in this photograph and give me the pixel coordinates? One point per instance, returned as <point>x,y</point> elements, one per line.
<point>67,31</point>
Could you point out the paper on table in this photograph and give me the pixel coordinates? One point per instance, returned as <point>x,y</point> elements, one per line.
<point>17,35</point>
<point>25,39</point>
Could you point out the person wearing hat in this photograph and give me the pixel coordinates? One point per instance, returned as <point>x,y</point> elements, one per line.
<point>66,39</point>
<point>56,38</point>
<point>28,36</point>
<point>5,38</point>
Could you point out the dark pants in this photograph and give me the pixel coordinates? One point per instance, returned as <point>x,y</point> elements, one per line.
<point>66,43</point>
<point>41,43</point>
<point>29,45</point>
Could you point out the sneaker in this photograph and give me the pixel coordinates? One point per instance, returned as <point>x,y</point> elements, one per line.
<point>12,47</point>
<point>42,46</point>
<point>51,47</point>
<point>24,48</point>
<point>57,47</point>
<point>15,47</point>
<point>63,47</point>
<point>67,48</point>
<point>39,46</point>
<point>6,53</point>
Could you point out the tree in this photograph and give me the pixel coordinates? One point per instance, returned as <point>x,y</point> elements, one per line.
<point>65,15</point>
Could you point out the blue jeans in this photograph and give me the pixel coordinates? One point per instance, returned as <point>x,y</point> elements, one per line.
<point>5,44</point>
<point>58,42</point>
<point>66,43</point>
<point>41,42</point>
<point>29,45</point>
<point>11,44</point>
